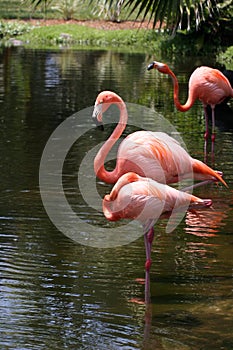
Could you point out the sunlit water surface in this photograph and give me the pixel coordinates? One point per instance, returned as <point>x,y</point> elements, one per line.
<point>58,294</point>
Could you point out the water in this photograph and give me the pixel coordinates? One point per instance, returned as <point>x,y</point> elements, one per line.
<point>58,294</point>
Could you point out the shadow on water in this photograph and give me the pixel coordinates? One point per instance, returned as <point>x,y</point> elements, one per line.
<point>58,294</point>
<point>224,117</point>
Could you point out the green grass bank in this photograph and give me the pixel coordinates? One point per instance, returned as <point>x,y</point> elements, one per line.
<point>76,35</point>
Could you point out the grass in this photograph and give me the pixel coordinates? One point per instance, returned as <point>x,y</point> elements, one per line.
<point>73,34</point>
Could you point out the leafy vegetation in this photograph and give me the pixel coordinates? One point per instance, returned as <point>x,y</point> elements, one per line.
<point>27,9</point>
<point>12,29</point>
<point>174,15</point>
<point>24,9</point>
<point>109,9</point>
<point>209,34</point>
<point>67,8</point>
<point>227,57</point>
<point>203,16</point>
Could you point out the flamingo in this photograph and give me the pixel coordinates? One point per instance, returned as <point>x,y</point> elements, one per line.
<point>207,84</point>
<point>152,154</point>
<point>223,112</point>
<point>143,199</point>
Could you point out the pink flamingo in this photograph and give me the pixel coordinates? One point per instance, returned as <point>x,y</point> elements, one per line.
<point>143,199</point>
<point>208,85</point>
<point>151,154</point>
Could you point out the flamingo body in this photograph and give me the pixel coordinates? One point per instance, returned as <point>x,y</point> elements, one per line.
<point>209,85</point>
<point>155,155</point>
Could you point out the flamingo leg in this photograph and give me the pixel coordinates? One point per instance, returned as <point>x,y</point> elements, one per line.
<point>148,239</point>
<point>206,134</point>
<point>213,129</point>
<point>199,184</point>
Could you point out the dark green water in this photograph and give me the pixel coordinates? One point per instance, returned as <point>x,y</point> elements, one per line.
<point>58,294</point>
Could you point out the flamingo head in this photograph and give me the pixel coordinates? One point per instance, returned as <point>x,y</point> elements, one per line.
<point>108,209</point>
<point>161,67</point>
<point>198,203</point>
<point>102,103</point>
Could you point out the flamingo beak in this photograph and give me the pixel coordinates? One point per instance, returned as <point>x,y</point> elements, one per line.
<point>204,203</point>
<point>97,116</point>
<point>150,66</point>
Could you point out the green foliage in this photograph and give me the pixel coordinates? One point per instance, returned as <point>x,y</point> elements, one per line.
<point>12,9</point>
<point>227,58</point>
<point>25,9</point>
<point>188,45</point>
<point>12,29</point>
<point>108,9</point>
<point>22,9</point>
<point>42,4</point>
<point>226,22</point>
<point>67,8</point>
<point>173,15</point>
<point>216,28</point>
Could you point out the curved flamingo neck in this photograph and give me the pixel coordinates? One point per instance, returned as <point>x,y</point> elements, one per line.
<point>191,99</point>
<point>100,171</point>
<point>122,181</point>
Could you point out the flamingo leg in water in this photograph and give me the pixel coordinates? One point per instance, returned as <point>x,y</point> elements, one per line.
<point>213,129</point>
<point>206,135</point>
<point>148,239</point>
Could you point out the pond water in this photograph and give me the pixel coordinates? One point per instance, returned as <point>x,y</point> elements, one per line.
<point>56,293</point>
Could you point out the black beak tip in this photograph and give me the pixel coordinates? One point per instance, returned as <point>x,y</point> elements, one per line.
<point>150,66</point>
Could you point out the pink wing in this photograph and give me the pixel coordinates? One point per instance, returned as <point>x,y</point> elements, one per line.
<point>154,155</point>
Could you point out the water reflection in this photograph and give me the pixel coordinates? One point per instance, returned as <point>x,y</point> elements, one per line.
<point>55,293</point>
<point>205,224</point>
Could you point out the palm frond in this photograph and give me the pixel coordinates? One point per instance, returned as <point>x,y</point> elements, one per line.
<point>170,14</point>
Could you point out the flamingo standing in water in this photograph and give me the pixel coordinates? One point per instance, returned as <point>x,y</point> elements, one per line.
<point>143,199</point>
<point>208,85</point>
<point>151,154</point>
